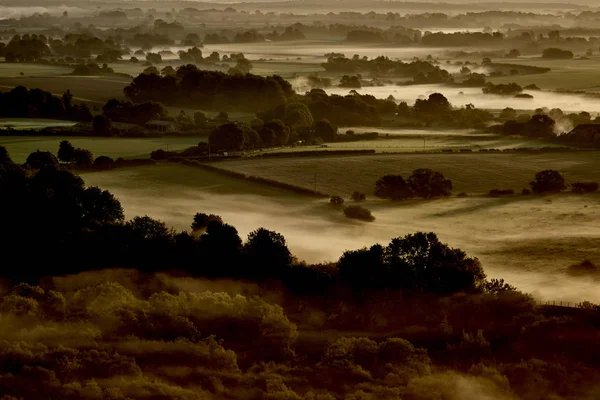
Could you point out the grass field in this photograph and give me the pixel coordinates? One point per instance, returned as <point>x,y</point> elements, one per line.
<point>32,123</point>
<point>565,74</point>
<point>530,241</point>
<point>11,70</point>
<point>95,90</point>
<point>423,140</point>
<point>471,173</point>
<point>20,147</point>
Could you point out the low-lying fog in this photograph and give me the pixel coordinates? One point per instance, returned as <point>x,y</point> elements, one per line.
<point>530,242</point>
<point>459,96</point>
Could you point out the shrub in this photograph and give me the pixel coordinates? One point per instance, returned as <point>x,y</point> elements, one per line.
<point>548,181</point>
<point>584,187</point>
<point>463,194</point>
<point>358,212</point>
<point>501,192</point>
<point>104,162</point>
<point>525,192</point>
<point>358,196</point>
<point>336,200</point>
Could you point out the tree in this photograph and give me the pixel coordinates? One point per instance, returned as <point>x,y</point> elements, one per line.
<point>297,115</point>
<point>426,183</point>
<point>200,118</point>
<point>336,200</point>
<point>358,196</point>
<point>325,130</point>
<point>540,125</point>
<point>101,207</point>
<point>418,262</point>
<point>437,103</point>
<point>268,253</point>
<point>392,187</point>
<point>149,229</point>
<point>234,137</point>
<point>548,181</point>
<point>202,220</point>
<point>154,58</point>
<point>83,158</point>
<point>5,157</point>
<point>274,133</point>
<point>104,162</point>
<point>66,151</point>
<point>102,125</point>
<point>39,159</point>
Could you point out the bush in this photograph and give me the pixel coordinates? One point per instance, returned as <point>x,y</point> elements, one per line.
<point>358,196</point>
<point>336,200</point>
<point>525,192</point>
<point>548,181</point>
<point>584,187</point>
<point>104,162</point>
<point>358,212</point>
<point>501,192</point>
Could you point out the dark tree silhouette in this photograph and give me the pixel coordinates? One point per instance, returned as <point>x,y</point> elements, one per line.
<point>325,130</point>
<point>426,183</point>
<point>39,159</point>
<point>548,181</point>
<point>267,254</point>
<point>202,220</point>
<point>66,151</point>
<point>83,158</point>
<point>102,125</point>
<point>392,187</point>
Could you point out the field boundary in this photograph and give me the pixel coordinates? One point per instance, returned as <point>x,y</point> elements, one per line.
<point>255,179</point>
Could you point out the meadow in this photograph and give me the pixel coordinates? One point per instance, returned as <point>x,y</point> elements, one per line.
<point>32,123</point>
<point>516,238</point>
<point>471,173</point>
<point>576,75</point>
<point>20,147</point>
<point>94,90</point>
<point>13,70</point>
<point>393,140</point>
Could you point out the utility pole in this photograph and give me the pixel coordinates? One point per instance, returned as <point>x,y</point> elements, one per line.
<point>209,150</point>
<point>315,183</point>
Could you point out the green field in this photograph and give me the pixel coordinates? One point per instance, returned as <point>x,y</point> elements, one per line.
<point>515,237</point>
<point>20,147</point>
<point>473,173</point>
<point>32,123</point>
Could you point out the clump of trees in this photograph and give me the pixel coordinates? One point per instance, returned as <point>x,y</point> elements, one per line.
<point>211,90</point>
<point>35,103</point>
<point>423,183</point>
<point>557,54</point>
<point>548,181</point>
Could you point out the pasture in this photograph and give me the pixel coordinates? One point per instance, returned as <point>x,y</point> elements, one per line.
<point>472,173</point>
<point>94,90</point>
<point>12,70</point>
<point>576,75</point>
<point>20,147</point>
<point>32,123</point>
<point>412,140</point>
<point>515,238</point>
